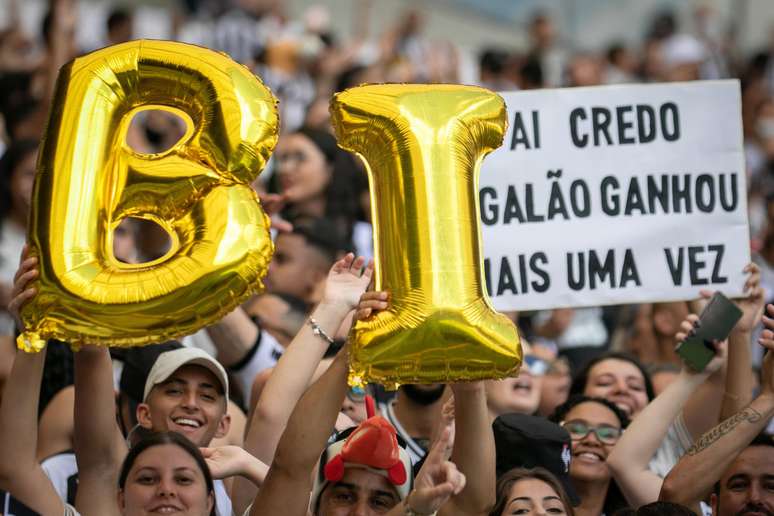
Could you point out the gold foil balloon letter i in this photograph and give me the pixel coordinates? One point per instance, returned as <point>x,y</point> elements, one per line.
<point>422,145</point>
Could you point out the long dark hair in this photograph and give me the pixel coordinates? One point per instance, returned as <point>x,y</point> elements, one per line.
<point>341,194</point>
<point>160,439</point>
<point>507,480</point>
<point>580,380</point>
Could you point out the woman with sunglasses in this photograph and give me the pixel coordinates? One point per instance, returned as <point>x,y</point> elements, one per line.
<point>594,425</point>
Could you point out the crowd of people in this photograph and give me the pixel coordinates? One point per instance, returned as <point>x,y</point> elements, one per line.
<point>253,415</point>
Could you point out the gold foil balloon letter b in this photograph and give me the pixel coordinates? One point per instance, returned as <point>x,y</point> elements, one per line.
<point>199,191</point>
<point>423,145</point>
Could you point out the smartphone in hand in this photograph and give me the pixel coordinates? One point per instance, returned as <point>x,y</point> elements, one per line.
<point>715,324</point>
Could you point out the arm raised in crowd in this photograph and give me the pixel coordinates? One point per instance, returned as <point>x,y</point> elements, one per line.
<point>739,382</point>
<point>20,472</point>
<point>701,467</point>
<point>473,452</point>
<point>729,389</point>
<point>99,448</point>
<point>289,481</point>
<point>233,336</point>
<point>346,282</point>
<point>631,455</point>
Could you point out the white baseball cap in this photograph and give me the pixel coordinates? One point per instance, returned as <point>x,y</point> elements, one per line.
<point>170,361</point>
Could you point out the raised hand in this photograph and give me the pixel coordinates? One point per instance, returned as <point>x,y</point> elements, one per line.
<point>347,280</point>
<point>752,304</point>
<point>371,302</point>
<point>229,461</point>
<point>688,328</point>
<point>20,294</point>
<point>438,480</point>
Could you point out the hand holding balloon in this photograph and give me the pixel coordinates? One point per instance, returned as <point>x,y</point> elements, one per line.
<point>22,292</point>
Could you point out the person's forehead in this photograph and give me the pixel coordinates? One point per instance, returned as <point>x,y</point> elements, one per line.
<point>164,457</point>
<point>754,461</point>
<point>533,488</point>
<point>615,367</point>
<point>594,413</point>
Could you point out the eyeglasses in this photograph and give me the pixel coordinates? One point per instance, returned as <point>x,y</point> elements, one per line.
<point>578,430</point>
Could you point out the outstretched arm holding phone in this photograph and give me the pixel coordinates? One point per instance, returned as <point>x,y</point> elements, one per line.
<point>631,455</point>
<point>717,449</point>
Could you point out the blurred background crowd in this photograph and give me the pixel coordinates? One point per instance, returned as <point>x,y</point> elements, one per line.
<point>305,52</point>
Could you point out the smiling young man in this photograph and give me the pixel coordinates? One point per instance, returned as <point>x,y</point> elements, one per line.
<point>186,392</point>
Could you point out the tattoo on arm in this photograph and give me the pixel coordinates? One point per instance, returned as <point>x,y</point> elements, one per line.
<point>748,414</point>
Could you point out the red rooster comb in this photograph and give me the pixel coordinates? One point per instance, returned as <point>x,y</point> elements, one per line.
<point>372,444</point>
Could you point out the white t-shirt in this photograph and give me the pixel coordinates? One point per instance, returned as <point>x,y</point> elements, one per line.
<point>676,442</point>
<point>265,354</point>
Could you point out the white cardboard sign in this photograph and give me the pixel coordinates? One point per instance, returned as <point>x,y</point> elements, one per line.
<point>616,194</point>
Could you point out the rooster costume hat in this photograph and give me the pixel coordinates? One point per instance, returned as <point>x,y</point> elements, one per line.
<point>372,445</point>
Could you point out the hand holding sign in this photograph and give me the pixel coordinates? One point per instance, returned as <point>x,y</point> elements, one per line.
<point>199,191</point>
<point>422,145</point>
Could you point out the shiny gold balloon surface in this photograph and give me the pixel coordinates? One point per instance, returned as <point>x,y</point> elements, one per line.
<point>423,145</point>
<point>199,191</point>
